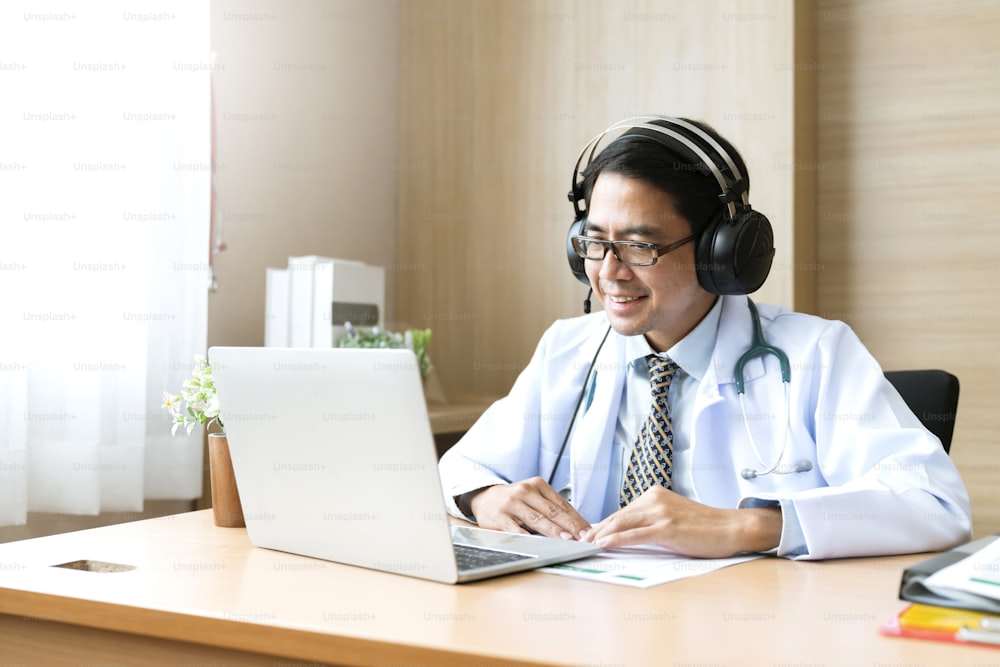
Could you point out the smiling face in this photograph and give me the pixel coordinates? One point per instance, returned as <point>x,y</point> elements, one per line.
<point>663,301</point>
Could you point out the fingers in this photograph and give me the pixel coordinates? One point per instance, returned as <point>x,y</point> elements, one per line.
<point>652,518</point>
<point>687,527</point>
<point>626,527</point>
<point>550,513</point>
<point>528,506</point>
<point>627,538</point>
<point>643,511</point>
<point>537,506</point>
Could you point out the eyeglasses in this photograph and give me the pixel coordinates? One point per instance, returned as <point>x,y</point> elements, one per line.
<point>631,253</point>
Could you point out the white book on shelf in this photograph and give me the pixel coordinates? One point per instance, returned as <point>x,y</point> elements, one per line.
<point>323,271</point>
<point>300,300</point>
<point>276,308</point>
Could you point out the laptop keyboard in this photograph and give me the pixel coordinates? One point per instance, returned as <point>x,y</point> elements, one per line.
<point>472,558</point>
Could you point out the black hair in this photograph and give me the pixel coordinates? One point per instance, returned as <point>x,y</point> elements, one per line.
<point>641,154</point>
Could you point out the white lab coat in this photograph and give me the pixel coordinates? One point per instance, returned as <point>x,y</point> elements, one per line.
<point>880,483</point>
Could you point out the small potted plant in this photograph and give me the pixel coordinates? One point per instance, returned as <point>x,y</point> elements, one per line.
<point>416,340</point>
<point>198,404</point>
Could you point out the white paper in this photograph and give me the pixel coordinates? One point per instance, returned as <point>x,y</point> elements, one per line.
<point>978,574</point>
<point>642,567</point>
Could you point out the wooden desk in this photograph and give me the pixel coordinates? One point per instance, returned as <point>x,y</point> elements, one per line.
<point>203,595</point>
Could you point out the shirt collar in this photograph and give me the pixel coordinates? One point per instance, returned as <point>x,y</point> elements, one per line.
<point>693,353</point>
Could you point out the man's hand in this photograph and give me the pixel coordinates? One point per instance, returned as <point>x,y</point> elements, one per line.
<point>687,527</point>
<point>528,506</point>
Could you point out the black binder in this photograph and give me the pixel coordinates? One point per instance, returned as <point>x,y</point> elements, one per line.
<point>912,588</point>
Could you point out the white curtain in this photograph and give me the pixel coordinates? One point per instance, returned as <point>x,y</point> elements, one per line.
<point>105,172</point>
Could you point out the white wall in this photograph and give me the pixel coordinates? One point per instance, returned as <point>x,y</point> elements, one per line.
<point>306,104</point>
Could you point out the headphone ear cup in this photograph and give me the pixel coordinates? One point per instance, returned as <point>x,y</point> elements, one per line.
<point>576,265</point>
<point>705,252</point>
<point>735,256</point>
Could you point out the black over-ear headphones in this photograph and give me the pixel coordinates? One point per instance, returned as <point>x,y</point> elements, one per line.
<point>736,248</point>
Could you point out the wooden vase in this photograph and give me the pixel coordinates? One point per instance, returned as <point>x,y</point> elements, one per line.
<point>226,504</point>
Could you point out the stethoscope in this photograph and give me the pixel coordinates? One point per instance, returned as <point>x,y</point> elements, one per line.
<point>758,347</point>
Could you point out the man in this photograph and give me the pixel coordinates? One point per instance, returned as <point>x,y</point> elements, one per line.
<point>644,423</point>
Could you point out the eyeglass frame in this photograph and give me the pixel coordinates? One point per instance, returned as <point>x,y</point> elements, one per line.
<point>659,251</point>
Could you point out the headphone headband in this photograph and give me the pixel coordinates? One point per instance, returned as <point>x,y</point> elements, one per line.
<point>728,188</point>
<point>735,249</point>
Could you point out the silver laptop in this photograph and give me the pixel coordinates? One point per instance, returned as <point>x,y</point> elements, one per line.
<point>334,459</point>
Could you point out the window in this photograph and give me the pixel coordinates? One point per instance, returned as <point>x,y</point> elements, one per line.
<point>105,181</point>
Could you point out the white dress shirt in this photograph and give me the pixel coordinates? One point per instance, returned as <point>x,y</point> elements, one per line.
<point>692,354</point>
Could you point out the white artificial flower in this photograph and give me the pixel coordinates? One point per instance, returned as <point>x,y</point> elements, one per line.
<point>197,402</point>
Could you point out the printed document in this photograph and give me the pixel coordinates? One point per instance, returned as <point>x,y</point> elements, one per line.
<point>642,567</point>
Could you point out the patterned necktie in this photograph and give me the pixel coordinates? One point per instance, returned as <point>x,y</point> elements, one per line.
<point>652,456</point>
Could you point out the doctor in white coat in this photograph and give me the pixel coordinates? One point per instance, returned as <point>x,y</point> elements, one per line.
<point>813,456</point>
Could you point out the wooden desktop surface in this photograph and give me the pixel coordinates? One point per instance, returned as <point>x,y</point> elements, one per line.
<point>200,593</point>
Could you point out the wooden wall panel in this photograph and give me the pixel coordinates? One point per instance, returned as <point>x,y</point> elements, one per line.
<point>909,178</point>
<point>497,99</point>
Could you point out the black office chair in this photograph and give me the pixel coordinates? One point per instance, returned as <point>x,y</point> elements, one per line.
<point>933,397</point>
